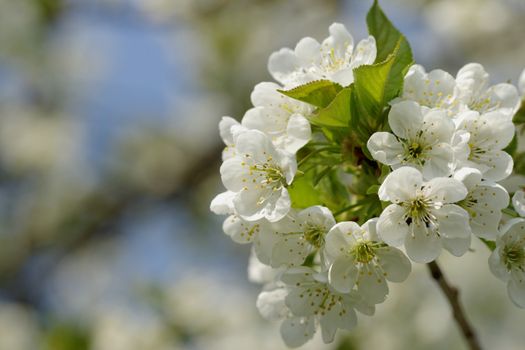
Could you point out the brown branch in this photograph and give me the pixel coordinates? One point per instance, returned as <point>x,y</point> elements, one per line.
<point>452,295</point>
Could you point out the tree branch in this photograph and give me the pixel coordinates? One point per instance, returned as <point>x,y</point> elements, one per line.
<point>452,295</point>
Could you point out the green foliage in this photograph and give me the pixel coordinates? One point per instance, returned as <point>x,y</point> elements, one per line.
<point>490,244</point>
<point>337,113</point>
<point>519,118</point>
<point>320,185</point>
<point>347,117</point>
<point>387,36</point>
<point>519,163</point>
<point>66,337</point>
<point>318,93</point>
<point>377,84</point>
<point>513,146</point>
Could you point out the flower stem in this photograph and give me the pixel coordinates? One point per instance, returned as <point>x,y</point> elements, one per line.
<point>452,295</point>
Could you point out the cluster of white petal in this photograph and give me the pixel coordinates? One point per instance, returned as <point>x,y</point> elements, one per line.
<point>315,272</point>
<point>507,261</point>
<point>447,152</point>
<point>334,59</point>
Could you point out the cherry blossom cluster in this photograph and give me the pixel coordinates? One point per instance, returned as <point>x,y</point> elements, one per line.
<point>444,150</point>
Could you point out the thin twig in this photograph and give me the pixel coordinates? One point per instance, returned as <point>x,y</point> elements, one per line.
<point>452,295</point>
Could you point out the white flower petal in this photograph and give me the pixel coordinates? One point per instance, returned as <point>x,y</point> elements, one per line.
<point>521,83</point>
<point>298,275</point>
<point>280,208</point>
<point>239,230</point>
<point>472,80</point>
<point>372,286</point>
<point>400,185</point>
<point>385,148</point>
<point>299,133</point>
<point>518,202</point>
<point>263,244</point>
<point>445,190</point>
<point>281,64</point>
<point>340,316</point>
<point>506,99</point>
<point>437,126</point>
<point>222,204</point>
<point>499,165</point>
<point>392,226</point>
<point>340,238</point>
<point>516,288</point>
<point>290,250</point>
<point>456,246</point>
<point>453,221</point>
<point>365,52</point>
<point>232,173</point>
<point>317,215</point>
<point>395,264</point>
<point>271,304</point>
<point>436,89</point>
<point>297,331</point>
<point>340,39</point>
<point>265,94</point>
<point>308,50</point>
<point>470,177</point>
<point>304,301</point>
<point>405,119</point>
<point>422,247</point>
<point>439,162</point>
<point>342,274</point>
<point>225,126</point>
<point>497,267</point>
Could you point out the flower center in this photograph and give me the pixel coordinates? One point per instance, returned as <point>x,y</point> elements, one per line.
<point>514,257</point>
<point>418,210</point>
<point>467,204</point>
<point>415,149</point>
<point>363,252</point>
<point>475,152</point>
<point>272,176</point>
<point>314,235</point>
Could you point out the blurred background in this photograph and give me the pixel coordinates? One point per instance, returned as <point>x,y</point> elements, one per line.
<point>110,154</point>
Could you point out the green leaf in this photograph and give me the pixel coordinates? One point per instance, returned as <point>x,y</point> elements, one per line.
<point>513,146</point>
<point>387,36</point>
<point>519,117</point>
<point>375,86</point>
<point>337,113</point>
<point>302,192</point>
<point>490,244</point>
<point>372,189</point>
<point>319,186</point>
<point>318,93</point>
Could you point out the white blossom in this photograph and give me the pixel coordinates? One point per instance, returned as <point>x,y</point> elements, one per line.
<point>484,202</point>
<point>421,138</point>
<point>436,89</point>
<point>476,94</point>
<point>258,174</point>
<point>489,133</point>
<point>227,127</point>
<point>357,257</point>
<point>422,215</point>
<point>298,235</point>
<point>521,83</point>
<point>518,202</point>
<point>282,118</point>
<point>334,59</point>
<point>239,230</point>
<point>308,303</point>
<point>507,261</point>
